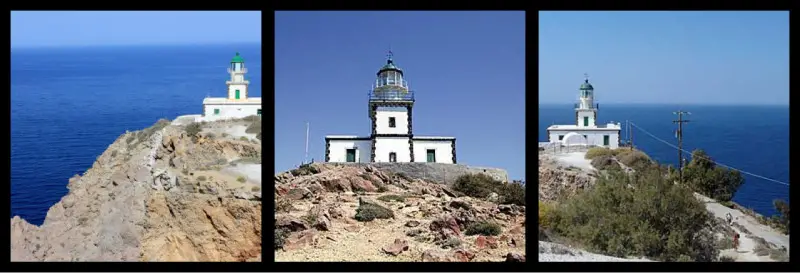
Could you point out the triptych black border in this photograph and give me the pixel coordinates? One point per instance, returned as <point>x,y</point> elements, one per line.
<point>268,263</point>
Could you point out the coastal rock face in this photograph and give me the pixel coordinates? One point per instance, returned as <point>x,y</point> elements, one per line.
<point>316,207</point>
<point>556,181</point>
<point>153,195</point>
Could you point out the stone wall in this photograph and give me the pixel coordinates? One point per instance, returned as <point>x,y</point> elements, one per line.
<point>436,172</point>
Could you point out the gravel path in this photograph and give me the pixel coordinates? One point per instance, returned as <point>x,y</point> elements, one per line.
<point>552,252</point>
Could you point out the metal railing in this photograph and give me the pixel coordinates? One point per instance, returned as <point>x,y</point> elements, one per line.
<point>391,95</point>
<point>595,106</point>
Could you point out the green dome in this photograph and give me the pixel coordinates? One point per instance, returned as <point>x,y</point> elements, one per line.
<point>237,58</point>
<point>586,86</point>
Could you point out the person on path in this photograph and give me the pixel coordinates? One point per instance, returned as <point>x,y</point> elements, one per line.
<point>736,242</point>
<point>729,218</point>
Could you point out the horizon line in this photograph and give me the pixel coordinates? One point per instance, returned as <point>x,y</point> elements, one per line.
<point>133,45</point>
<point>675,103</point>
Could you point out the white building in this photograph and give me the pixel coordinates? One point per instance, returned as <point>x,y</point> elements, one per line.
<point>585,132</point>
<point>236,104</point>
<point>392,138</point>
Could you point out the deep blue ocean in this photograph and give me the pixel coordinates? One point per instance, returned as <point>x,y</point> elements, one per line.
<point>750,138</point>
<point>69,104</point>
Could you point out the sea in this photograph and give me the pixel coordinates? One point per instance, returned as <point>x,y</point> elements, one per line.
<point>751,138</point>
<point>69,104</point>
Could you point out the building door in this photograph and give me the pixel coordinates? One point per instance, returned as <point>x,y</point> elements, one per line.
<point>585,119</point>
<point>392,157</point>
<point>237,94</point>
<point>351,155</point>
<point>431,155</point>
<point>216,111</point>
<point>258,112</point>
<point>605,140</point>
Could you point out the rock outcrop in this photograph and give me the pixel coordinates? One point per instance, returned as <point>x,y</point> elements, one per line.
<point>153,195</point>
<point>360,212</point>
<point>556,181</point>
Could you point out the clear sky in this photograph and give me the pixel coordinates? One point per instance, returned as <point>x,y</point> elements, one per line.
<point>467,70</point>
<point>98,28</point>
<point>695,57</point>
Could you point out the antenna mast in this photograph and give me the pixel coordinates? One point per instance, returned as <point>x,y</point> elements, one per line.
<point>305,158</point>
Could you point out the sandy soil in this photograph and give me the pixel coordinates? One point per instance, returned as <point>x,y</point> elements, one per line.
<point>251,171</point>
<point>576,159</point>
<point>552,252</point>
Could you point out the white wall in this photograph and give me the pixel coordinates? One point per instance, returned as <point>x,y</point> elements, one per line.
<point>386,145</point>
<point>444,150</point>
<point>400,115</point>
<point>229,111</point>
<point>242,91</point>
<point>338,150</point>
<point>594,137</point>
<point>589,114</point>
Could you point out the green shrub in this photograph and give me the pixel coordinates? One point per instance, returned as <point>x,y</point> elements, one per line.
<point>390,197</point>
<point>255,189</point>
<point>369,211</point>
<point>193,129</point>
<point>703,176</point>
<point>635,159</point>
<point>253,128</point>
<point>726,259</point>
<point>452,242</point>
<point>403,176</point>
<point>253,118</point>
<point>283,205</point>
<point>637,215</point>
<point>280,237</point>
<point>483,228</point>
<point>783,211</point>
<point>201,178</point>
<point>305,169</point>
<point>512,193</point>
<point>605,162</point>
<point>241,179</point>
<point>185,172</point>
<point>598,151</point>
<point>545,210</point>
<point>476,185</point>
<point>225,135</point>
<point>211,136</point>
<point>244,138</point>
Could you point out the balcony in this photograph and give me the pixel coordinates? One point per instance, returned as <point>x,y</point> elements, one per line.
<point>237,82</point>
<point>243,70</point>
<point>595,106</point>
<point>391,95</point>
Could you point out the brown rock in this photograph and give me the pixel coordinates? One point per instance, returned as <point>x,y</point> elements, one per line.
<point>322,220</point>
<point>353,228</point>
<point>289,222</point>
<point>446,227</point>
<point>397,247</point>
<point>486,241</point>
<point>412,223</point>
<point>458,255</point>
<point>299,240</point>
<point>298,193</point>
<point>514,257</point>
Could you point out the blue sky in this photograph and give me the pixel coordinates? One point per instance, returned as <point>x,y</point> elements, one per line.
<point>467,70</point>
<point>665,57</point>
<point>98,28</point>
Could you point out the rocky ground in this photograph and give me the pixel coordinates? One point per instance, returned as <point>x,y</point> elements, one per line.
<point>561,176</point>
<point>156,195</point>
<point>316,207</point>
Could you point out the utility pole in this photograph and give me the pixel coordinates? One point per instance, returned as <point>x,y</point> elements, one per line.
<point>630,130</point>
<point>679,135</point>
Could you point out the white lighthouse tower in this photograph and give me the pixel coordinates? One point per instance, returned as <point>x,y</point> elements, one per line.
<point>585,131</point>
<point>392,139</point>
<point>237,104</point>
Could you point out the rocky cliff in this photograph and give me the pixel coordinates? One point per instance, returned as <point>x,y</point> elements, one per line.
<point>159,194</point>
<point>359,212</point>
<point>557,180</point>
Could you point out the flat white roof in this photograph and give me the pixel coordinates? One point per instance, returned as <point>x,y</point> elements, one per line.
<point>608,127</point>
<point>432,137</point>
<point>232,102</point>
<point>335,136</point>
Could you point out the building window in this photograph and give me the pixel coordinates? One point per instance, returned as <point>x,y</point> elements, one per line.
<point>391,122</point>
<point>216,111</point>
<point>431,155</point>
<point>351,155</point>
<point>605,140</point>
<point>560,137</point>
<point>392,157</point>
<point>258,112</point>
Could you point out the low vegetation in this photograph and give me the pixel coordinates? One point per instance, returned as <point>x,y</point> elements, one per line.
<point>392,197</point>
<point>605,163</point>
<point>192,129</point>
<point>369,211</point>
<point>643,214</point>
<point>305,169</point>
<point>705,177</point>
<point>481,186</point>
<point>280,237</point>
<point>483,228</point>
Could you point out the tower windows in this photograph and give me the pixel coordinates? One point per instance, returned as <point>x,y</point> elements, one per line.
<point>391,122</point>
<point>258,112</point>
<point>431,155</point>
<point>392,157</point>
<point>216,111</point>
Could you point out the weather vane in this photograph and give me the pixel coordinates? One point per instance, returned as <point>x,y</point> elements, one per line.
<point>389,54</point>
<point>586,76</point>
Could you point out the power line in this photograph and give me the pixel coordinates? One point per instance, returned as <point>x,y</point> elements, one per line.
<point>709,159</point>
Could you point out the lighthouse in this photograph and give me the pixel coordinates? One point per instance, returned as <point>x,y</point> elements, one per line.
<point>390,108</point>
<point>237,103</point>
<point>585,131</point>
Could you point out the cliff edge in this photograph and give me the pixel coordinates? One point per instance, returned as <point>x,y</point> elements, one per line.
<point>165,193</point>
